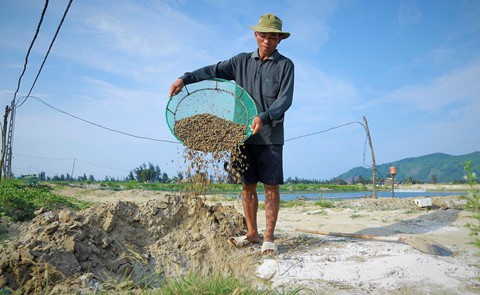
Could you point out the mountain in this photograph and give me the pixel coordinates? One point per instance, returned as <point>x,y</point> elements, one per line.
<point>437,167</point>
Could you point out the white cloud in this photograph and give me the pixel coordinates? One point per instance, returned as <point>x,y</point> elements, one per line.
<point>408,13</point>
<point>307,21</point>
<point>456,89</point>
<point>134,40</point>
<point>320,97</point>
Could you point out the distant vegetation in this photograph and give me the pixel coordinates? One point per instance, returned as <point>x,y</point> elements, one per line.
<point>150,176</point>
<point>433,168</point>
<point>143,173</point>
<point>213,188</point>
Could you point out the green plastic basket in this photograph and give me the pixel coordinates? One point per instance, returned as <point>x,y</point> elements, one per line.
<point>222,98</point>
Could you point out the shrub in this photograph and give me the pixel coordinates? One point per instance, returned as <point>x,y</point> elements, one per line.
<point>19,200</point>
<point>473,203</point>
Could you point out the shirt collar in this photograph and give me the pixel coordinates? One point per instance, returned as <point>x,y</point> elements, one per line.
<point>272,57</point>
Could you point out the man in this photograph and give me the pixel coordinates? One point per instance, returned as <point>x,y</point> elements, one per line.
<point>268,77</point>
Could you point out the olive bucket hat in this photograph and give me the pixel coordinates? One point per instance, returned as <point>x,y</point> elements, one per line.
<point>270,23</point>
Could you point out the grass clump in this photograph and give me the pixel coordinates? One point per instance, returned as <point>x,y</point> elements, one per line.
<point>19,200</point>
<point>355,216</point>
<point>291,204</point>
<point>194,284</point>
<point>324,203</point>
<point>473,203</point>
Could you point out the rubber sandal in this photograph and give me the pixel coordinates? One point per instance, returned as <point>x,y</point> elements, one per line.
<point>239,242</point>
<point>269,246</point>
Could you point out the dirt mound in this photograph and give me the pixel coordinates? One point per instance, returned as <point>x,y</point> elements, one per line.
<point>119,245</point>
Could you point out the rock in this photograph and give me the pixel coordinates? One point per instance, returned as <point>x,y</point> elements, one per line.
<point>69,244</point>
<point>51,228</point>
<point>67,216</point>
<point>39,211</point>
<point>109,223</point>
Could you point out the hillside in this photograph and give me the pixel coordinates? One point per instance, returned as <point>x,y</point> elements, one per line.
<point>442,167</point>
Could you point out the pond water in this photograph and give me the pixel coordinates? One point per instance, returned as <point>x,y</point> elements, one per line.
<point>358,195</point>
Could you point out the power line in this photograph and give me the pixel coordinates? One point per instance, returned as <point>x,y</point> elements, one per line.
<point>169,141</point>
<point>44,158</point>
<point>85,162</point>
<point>48,51</point>
<point>325,130</point>
<point>101,126</point>
<point>336,127</point>
<point>70,159</point>
<point>30,48</point>
<point>6,161</point>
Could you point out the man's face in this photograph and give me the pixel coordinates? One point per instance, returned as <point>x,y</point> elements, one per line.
<point>267,43</point>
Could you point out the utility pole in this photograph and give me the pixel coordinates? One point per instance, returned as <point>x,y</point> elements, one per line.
<point>8,153</point>
<point>4,143</point>
<point>374,166</point>
<point>73,168</point>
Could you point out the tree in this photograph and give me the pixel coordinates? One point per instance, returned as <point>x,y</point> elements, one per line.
<point>82,178</point>
<point>41,176</point>
<point>130,176</point>
<point>360,179</point>
<point>178,178</point>
<point>165,178</point>
<point>149,173</point>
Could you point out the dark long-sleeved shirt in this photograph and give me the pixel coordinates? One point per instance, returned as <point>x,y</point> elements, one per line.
<point>270,83</point>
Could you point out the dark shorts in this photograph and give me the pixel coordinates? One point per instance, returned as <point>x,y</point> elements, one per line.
<point>260,163</point>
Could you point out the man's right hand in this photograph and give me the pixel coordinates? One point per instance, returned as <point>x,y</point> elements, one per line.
<point>257,125</point>
<point>176,87</point>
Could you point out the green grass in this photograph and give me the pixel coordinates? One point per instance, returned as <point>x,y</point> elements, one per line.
<point>473,204</point>
<point>217,284</point>
<point>355,216</point>
<point>19,200</point>
<point>324,203</point>
<point>192,284</point>
<point>411,211</point>
<point>291,204</point>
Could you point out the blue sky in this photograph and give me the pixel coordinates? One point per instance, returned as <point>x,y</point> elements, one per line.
<point>412,68</point>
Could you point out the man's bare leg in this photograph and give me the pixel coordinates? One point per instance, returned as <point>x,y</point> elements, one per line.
<point>272,206</point>
<point>250,208</point>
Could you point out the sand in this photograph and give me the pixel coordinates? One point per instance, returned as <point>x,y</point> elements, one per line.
<point>317,264</point>
<point>353,266</point>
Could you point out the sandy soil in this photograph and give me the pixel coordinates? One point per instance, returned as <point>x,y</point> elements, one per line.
<point>354,266</point>
<point>318,264</point>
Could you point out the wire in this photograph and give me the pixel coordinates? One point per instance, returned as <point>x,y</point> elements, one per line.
<point>169,141</point>
<point>101,126</point>
<point>48,52</point>
<point>29,49</point>
<point>69,159</point>
<point>85,162</point>
<point>336,127</point>
<point>44,158</point>
<point>323,131</point>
